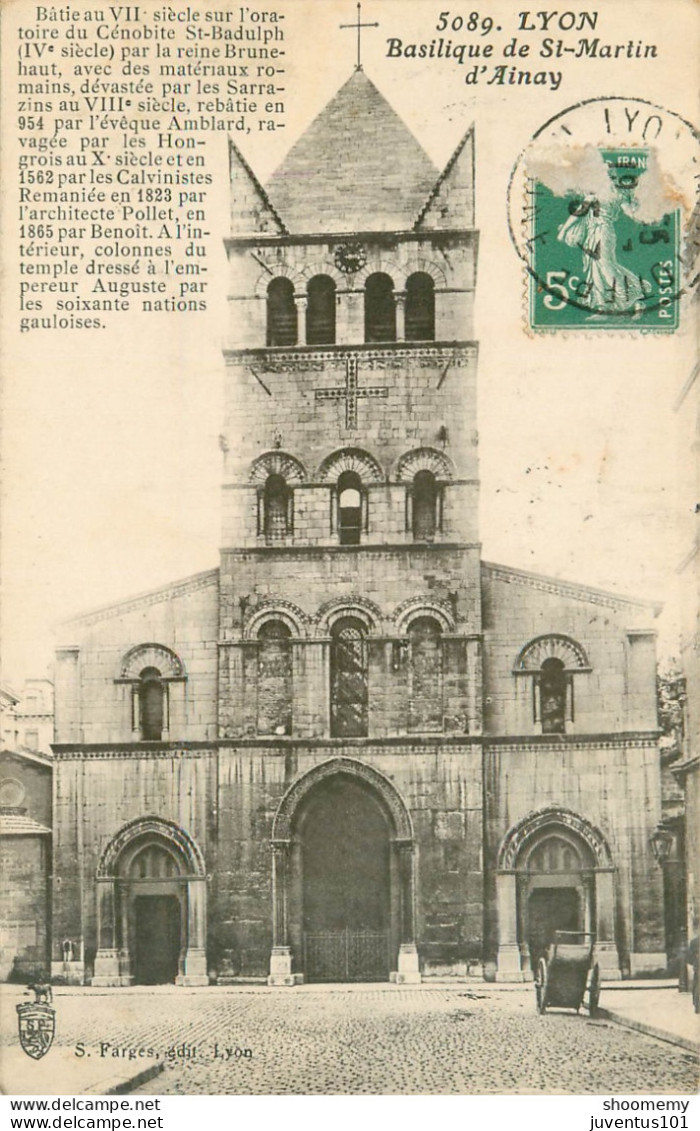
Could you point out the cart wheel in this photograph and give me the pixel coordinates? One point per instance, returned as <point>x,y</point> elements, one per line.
<point>594,991</point>
<point>541,985</point>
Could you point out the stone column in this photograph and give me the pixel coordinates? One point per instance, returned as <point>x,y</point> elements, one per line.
<point>301,303</point>
<point>134,708</point>
<point>111,963</point>
<point>350,326</point>
<point>474,684</point>
<point>165,734</point>
<point>605,949</point>
<point>400,302</point>
<point>281,954</point>
<point>509,962</point>
<point>194,963</point>
<point>67,720</point>
<point>408,969</point>
<point>310,688</point>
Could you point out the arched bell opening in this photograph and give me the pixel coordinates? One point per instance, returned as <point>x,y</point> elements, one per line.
<point>320,311</point>
<point>350,509</point>
<point>281,313</point>
<point>420,308</point>
<point>380,308</point>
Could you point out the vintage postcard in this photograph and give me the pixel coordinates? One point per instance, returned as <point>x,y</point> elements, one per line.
<point>350,725</point>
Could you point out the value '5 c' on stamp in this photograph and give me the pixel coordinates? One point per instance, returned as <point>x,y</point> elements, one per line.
<point>599,258</point>
<point>604,212</point>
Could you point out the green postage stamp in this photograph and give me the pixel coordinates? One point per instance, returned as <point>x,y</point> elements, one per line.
<point>604,213</point>
<point>595,262</point>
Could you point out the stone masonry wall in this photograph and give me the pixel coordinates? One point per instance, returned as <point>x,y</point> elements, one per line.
<point>24,872</point>
<point>232,824</point>
<point>428,402</point>
<point>612,785</point>
<point>441,786</point>
<point>25,864</point>
<point>308,586</point>
<point>449,259</point>
<point>95,795</point>
<point>618,693</point>
<point>91,707</point>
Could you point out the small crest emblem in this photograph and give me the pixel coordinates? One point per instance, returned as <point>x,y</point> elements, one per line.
<point>36,1022</point>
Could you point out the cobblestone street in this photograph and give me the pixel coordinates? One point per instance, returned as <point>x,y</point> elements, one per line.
<point>352,1040</point>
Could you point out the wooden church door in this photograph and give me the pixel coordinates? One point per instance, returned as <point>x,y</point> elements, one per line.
<point>346,886</point>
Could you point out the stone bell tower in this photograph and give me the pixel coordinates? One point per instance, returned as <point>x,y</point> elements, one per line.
<point>350,592</point>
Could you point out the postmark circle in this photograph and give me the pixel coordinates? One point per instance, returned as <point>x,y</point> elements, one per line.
<point>603,211</point>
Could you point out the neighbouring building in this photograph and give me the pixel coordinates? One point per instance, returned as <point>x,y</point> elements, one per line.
<point>26,721</point>
<point>26,733</point>
<point>356,750</point>
<point>687,769</point>
<point>25,864</point>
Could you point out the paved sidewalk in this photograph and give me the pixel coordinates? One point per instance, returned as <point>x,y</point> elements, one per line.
<point>656,1009</point>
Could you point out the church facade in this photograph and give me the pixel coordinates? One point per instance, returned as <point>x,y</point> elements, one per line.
<point>356,750</point>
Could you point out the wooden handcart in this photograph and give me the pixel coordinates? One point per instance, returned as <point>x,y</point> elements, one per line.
<point>566,974</point>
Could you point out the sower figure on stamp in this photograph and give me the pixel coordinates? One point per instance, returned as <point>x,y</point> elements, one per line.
<point>607,285</point>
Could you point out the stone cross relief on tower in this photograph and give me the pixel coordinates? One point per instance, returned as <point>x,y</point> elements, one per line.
<point>351,392</point>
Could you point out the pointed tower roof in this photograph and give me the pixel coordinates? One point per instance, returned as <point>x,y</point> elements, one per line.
<point>251,210</point>
<point>356,167</point>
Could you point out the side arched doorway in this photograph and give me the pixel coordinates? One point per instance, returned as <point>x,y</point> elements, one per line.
<point>343,879</point>
<point>154,907</point>
<point>555,890</point>
<point>554,873</point>
<point>151,908</point>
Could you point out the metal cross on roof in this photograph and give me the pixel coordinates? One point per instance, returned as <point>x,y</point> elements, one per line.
<point>358,26</point>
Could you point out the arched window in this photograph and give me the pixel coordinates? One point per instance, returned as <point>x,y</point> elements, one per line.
<point>152,705</point>
<point>349,694</point>
<point>553,686</point>
<point>274,679</point>
<point>380,309</point>
<point>349,508</point>
<point>425,506</point>
<point>420,308</point>
<point>320,311</point>
<point>153,862</point>
<point>554,854</point>
<point>281,313</point>
<point>276,509</point>
<point>553,662</point>
<point>155,681</point>
<point>425,696</point>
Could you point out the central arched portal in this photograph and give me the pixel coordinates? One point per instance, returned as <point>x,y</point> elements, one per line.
<point>346,884</point>
<point>343,879</point>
